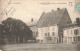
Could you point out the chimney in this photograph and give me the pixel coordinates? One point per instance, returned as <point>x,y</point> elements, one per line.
<point>31,19</point>
<point>52,10</point>
<point>58,9</point>
<point>43,13</point>
<point>78,21</point>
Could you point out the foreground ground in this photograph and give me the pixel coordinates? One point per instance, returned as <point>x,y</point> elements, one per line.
<point>41,47</point>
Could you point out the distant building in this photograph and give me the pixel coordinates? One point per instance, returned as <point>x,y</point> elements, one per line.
<point>71,33</point>
<point>50,26</point>
<point>32,26</point>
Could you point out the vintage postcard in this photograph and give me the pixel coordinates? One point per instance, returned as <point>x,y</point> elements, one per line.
<point>39,25</point>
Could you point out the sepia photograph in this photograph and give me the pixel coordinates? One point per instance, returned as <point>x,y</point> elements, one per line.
<point>39,25</point>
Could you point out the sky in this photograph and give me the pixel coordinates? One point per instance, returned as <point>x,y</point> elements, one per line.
<point>27,9</point>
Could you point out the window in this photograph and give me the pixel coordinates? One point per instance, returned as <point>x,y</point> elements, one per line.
<point>48,34</point>
<point>71,31</point>
<point>53,34</point>
<point>74,39</point>
<point>69,39</point>
<point>79,38</point>
<point>45,34</point>
<point>37,34</point>
<point>48,29</point>
<point>76,31</point>
<point>67,32</point>
<point>53,28</point>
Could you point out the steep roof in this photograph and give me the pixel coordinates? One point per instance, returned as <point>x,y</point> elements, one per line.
<point>32,23</point>
<point>51,18</point>
<point>71,26</point>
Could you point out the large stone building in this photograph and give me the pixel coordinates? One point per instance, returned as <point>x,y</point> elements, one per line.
<point>72,32</point>
<point>50,26</point>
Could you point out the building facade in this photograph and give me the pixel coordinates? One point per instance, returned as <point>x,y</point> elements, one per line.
<point>50,25</point>
<point>71,34</point>
<point>48,34</point>
<point>32,26</point>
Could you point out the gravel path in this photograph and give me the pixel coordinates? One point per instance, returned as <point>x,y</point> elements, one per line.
<point>41,47</point>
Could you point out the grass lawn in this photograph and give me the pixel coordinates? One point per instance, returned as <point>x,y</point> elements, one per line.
<point>41,47</point>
